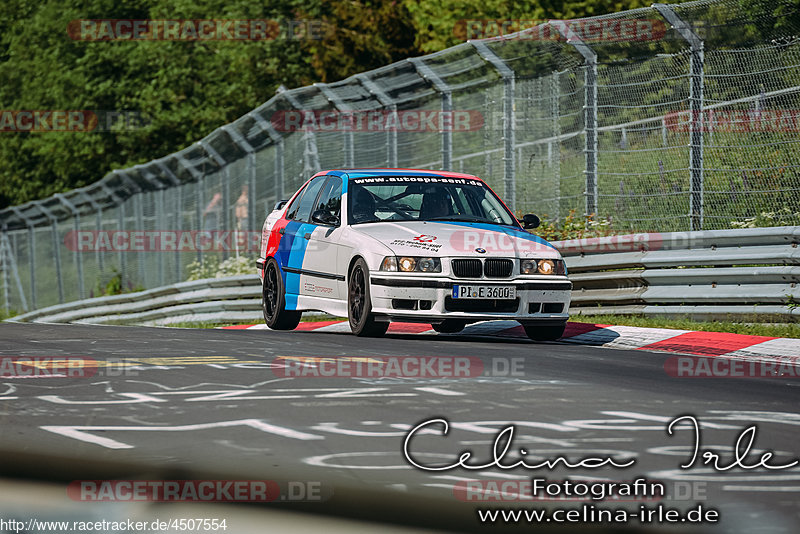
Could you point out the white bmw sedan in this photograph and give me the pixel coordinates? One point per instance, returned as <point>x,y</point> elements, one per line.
<point>382,245</point>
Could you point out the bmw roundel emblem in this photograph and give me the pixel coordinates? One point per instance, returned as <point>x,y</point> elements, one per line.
<point>480,250</point>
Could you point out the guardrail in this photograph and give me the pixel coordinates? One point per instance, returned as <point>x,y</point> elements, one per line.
<point>708,274</point>
<point>229,299</point>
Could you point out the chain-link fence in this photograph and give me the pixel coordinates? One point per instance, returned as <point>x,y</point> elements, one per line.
<point>673,117</point>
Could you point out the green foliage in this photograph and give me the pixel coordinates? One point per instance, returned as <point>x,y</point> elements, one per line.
<point>574,227</point>
<point>114,285</point>
<point>438,23</point>
<point>782,217</point>
<point>211,267</point>
<point>7,314</point>
<point>184,89</point>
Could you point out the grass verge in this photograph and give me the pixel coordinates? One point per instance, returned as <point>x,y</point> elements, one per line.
<point>306,319</point>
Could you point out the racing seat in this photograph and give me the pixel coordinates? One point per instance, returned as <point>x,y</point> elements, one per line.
<point>364,206</point>
<point>435,205</point>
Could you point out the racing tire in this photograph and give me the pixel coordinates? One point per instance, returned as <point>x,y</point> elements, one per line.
<point>359,304</point>
<point>273,300</point>
<point>544,332</point>
<point>449,326</point>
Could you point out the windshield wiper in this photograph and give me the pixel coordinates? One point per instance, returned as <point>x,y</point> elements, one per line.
<point>465,218</point>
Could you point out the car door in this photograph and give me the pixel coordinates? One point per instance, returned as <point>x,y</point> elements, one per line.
<point>292,252</point>
<point>320,276</point>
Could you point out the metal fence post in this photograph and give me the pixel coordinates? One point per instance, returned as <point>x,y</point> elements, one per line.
<point>447,108</point>
<point>509,120</point>
<point>4,265</point>
<point>98,257</point>
<point>137,214</point>
<point>8,262</point>
<point>198,211</point>
<point>279,170</point>
<point>31,252</point>
<point>161,217</point>
<point>696,124</point>
<point>178,226</point>
<point>138,211</point>
<point>310,153</point>
<point>239,140</point>
<point>252,193</point>
<point>120,218</point>
<point>176,183</point>
<point>387,102</point>
<point>555,93</point>
<point>56,246</point>
<point>226,202</point>
<point>76,223</point>
<point>590,111</point>
<point>349,148</point>
<point>277,139</point>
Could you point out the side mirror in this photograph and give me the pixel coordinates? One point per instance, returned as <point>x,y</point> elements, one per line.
<point>325,218</point>
<point>279,204</point>
<point>530,221</point>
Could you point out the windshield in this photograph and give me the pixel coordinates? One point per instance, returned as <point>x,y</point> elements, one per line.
<point>424,198</point>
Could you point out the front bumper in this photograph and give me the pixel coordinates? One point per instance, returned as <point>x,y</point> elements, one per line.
<point>429,299</point>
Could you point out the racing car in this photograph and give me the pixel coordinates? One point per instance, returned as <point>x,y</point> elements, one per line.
<point>383,245</point>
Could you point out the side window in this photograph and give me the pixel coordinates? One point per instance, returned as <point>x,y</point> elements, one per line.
<point>306,202</point>
<point>330,199</point>
<point>291,211</point>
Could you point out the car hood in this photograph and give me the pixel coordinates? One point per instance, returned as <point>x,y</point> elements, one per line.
<point>457,239</point>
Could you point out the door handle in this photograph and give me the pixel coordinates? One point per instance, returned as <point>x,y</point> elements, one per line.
<point>307,236</point>
<point>282,231</point>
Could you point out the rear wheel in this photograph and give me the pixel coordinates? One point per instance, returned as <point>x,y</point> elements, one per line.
<point>544,332</point>
<point>449,326</point>
<point>359,305</point>
<point>273,301</point>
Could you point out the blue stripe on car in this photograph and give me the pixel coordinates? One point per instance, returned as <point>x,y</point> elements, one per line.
<point>295,255</point>
<point>509,231</point>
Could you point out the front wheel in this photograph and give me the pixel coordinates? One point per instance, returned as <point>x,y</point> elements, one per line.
<point>273,301</point>
<point>544,332</point>
<point>359,305</point>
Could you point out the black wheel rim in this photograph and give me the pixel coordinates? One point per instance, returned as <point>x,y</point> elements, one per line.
<point>356,295</point>
<point>270,292</point>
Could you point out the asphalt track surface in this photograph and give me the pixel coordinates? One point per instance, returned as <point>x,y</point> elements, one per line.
<point>219,400</point>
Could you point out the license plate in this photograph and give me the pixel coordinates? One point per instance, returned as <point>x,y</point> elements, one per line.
<point>484,292</point>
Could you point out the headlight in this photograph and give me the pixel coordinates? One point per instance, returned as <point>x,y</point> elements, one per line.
<point>427,265</point>
<point>389,263</point>
<point>407,264</point>
<point>528,267</point>
<point>411,264</point>
<point>546,267</point>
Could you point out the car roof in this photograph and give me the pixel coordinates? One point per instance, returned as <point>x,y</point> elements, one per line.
<point>361,173</point>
